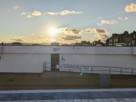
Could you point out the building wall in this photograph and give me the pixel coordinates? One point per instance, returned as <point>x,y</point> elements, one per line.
<point>30,59</point>
<point>134,51</point>
<point>67,50</point>
<point>24,63</point>
<point>126,61</point>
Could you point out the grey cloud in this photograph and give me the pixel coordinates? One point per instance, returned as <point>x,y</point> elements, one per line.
<point>102,34</point>
<point>71,37</point>
<point>18,40</point>
<point>101,30</point>
<point>73,31</point>
<point>70,33</point>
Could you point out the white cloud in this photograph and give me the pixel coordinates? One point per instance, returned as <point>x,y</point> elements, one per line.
<point>111,22</point>
<point>106,21</point>
<point>122,18</point>
<point>36,13</point>
<point>64,12</point>
<point>16,7</point>
<point>23,13</point>
<point>29,16</point>
<point>130,8</point>
<point>52,13</point>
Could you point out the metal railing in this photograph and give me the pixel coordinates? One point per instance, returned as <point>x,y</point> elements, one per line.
<point>90,69</point>
<point>97,69</point>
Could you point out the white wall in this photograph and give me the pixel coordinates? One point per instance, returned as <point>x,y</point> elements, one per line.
<point>134,50</point>
<point>127,61</point>
<point>29,59</point>
<point>24,63</point>
<point>69,50</point>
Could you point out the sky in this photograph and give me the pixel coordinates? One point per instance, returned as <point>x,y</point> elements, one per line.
<point>64,21</point>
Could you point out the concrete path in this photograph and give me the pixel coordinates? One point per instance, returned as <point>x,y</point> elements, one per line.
<point>82,100</point>
<point>94,95</point>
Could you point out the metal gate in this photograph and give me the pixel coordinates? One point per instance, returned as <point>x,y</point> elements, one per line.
<point>54,61</point>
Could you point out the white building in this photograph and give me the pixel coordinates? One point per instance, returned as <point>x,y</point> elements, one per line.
<point>36,59</point>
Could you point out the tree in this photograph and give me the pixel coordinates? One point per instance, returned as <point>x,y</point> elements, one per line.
<point>87,43</point>
<point>126,33</point>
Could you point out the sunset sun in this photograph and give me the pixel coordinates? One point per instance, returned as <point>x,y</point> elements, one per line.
<point>53,31</point>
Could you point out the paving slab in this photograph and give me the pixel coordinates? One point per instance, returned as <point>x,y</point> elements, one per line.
<point>77,100</point>
<point>84,100</point>
<point>91,100</point>
<point>70,100</point>
<point>62,100</point>
<point>99,100</point>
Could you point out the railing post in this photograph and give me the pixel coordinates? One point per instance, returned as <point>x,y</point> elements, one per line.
<point>44,66</point>
<point>121,71</point>
<point>91,69</point>
<point>132,71</point>
<point>109,70</point>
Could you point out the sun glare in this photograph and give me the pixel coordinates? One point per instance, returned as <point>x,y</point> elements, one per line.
<point>53,31</point>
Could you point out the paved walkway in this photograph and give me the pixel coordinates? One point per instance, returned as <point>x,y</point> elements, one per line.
<point>82,100</point>
<point>94,95</point>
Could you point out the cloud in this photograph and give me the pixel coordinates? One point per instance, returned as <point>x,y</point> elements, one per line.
<point>122,18</point>
<point>37,35</point>
<point>96,31</point>
<point>73,31</point>
<point>70,31</point>
<point>89,31</point>
<point>23,13</point>
<point>106,21</point>
<point>71,37</point>
<point>64,12</point>
<point>16,7</point>
<point>52,13</point>
<point>36,13</point>
<point>26,14</point>
<point>102,34</point>
<point>101,31</point>
<point>29,16</point>
<point>113,21</point>
<point>130,8</point>
<point>17,40</point>
<point>102,37</point>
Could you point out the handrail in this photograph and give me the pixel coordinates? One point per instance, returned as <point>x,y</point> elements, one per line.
<point>107,69</point>
<point>94,69</point>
